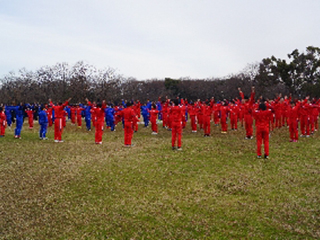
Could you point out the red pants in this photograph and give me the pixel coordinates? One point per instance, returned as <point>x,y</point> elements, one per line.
<point>312,123</point>
<point>73,119</point>
<point>79,120</point>
<point>241,117</point>
<point>128,133</point>
<point>200,120</point>
<point>154,125</point>
<point>216,117</point>
<point>263,135</point>
<point>58,129</point>
<point>234,121</point>
<point>135,126</point>
<point>206,124</point>
<point>304,125</point>
<point>224,126</point>
<point>248,125</point>
<point>99,132</point>
<point>278,120</point>
<point>293,129</point>
<point>50,120</point>
<point>193,123</point>
<point>164,119</point>
<point>176,131</point>
<point>31,122</point>
<point>3,129</point>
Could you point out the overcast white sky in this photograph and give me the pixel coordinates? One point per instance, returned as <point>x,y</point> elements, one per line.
<point>155,38</point>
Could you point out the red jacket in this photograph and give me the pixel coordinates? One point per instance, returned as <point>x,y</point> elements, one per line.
<point>176,114</point>
<point>128,114</point>
<point>262,118</point>
<point>58,110</point>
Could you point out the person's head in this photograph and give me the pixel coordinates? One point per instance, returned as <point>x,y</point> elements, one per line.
<point>292,103</point>
<point>153,106</point>
<point>99,104</point>
<point>129,104</point>
<point>176,102</point>
<point>262,107</point>
<point>1,109</point>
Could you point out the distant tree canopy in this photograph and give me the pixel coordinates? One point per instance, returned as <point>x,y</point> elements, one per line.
<point>299,75</point>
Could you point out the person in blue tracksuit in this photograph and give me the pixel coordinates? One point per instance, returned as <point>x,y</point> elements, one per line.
<point>8,116</point>
<point>43,121</point>
<point>145,114</point>
<point>19,112</point>
<point>67,108</point>
<point>159,108</point>
<point>87,116</point>
<point>109,111</point>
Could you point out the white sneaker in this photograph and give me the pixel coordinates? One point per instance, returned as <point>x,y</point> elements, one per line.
<point>61,141</point>
<point>56,141</point>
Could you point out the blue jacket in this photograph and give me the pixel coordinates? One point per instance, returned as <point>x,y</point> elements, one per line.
<point>43,118</point>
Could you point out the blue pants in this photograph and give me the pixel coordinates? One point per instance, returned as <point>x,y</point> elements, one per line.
<point>19,123</point>
<point>146,120</point>
<point>88,122</point>
<point>110,123</point>
<point>43,130</point>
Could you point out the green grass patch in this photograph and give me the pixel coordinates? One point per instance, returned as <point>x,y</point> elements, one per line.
<point>215,188</point>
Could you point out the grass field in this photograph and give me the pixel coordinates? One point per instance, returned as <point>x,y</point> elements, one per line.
<point>215,188</point>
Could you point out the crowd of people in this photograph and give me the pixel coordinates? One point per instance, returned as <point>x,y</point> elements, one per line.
<point>174,114</point>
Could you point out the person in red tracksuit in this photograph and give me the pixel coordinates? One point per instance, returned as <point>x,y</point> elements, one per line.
<point>207,112</point>
<point>49,114</point>
<point>304,120</point>
<point>262,117</point>
<point>200,113</point>
<point>2,122</point>
<point>128,115</point>
<point>176,115</point>
<point>234,112</point>
<point>153,119</point>
<point>315,114</point>
<point>73,111</point>
<point>79,116</point>
<point>193,115</point>
<point>247,111</point>
<point>99,114</point>
<point>224,110</point>
<point>30,117</point>
<point>293,117</point>
<point>58,112</point>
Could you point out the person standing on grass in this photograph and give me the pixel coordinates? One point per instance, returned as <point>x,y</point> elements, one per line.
<point>43,121</point>
<point>59,114</point>
<point>19,111</point>
<point>153,119</point>
<point>293,117</point>
<point>248,109</point>
<point>176,115</point>
<point>79,115</point>
<point>99,114</point>
<point>128,116</point>
<point>2,122</point>
<point>207,112</point>
<point>193,120</point>
<point>224,110</point>
<point>262,117</point>
<point>29,112</point>
<point>8,116</point>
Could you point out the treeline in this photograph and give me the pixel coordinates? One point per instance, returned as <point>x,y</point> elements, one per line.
<point>299,75</point>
